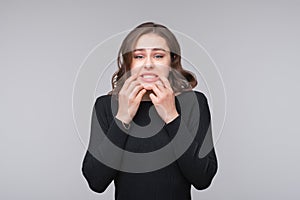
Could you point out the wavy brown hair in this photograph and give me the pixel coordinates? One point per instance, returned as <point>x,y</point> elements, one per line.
<point>179,78</point>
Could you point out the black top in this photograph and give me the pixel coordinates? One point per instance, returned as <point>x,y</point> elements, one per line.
<point>171,182</point>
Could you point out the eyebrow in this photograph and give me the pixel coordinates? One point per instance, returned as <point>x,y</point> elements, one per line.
<point>154,49</point>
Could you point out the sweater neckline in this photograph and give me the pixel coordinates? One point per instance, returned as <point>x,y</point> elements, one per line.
<point>146,102</point>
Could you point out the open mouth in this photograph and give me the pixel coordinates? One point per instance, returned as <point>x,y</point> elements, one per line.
<point>149,77</point>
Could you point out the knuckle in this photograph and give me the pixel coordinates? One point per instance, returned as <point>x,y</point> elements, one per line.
<point>130,99</point>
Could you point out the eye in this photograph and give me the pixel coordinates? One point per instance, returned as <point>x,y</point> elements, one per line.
<point>158,56</point>
<point>138,57</point>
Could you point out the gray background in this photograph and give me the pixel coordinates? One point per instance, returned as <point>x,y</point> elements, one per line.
<point>254,43</point>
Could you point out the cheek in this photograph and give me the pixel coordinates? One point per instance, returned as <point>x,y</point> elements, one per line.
<point>163,72</point>
<point>135,64</point>
<point>166,73</point>
<point>133,70</point>
<point>166,70</point>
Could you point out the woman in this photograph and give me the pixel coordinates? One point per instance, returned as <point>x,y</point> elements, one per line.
<point>150,74</point>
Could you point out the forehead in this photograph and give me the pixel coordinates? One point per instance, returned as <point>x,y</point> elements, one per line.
<point>151,41</point>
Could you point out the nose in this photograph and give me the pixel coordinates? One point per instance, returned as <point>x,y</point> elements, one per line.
<point>148,63</point>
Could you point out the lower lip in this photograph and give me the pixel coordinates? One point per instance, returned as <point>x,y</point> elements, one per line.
<point>149,80</point>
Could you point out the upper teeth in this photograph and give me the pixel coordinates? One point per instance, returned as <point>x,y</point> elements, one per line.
<point>149,76</point>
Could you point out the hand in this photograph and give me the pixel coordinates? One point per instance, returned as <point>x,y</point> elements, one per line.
<point>163,99</point>
<point>130,97</point>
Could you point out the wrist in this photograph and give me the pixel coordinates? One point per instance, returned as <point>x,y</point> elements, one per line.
<point>124,119</point>
<point>170,118</point>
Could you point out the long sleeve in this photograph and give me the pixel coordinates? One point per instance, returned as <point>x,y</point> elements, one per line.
<point>198,163</point>
<point>97,174</point>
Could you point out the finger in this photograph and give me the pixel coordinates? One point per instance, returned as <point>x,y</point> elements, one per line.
<point>159,82</point>
<point>135,91</point>
<point>153,98</point>
<point>129,80</point>
<point>134,77</point>
<point>132,85</point>
<point>140,94</point>
<point>160,86</point>
<point>166,82</point>
<point>155,89</point>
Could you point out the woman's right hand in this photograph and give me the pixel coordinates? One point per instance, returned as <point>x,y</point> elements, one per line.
<point>130,97</point>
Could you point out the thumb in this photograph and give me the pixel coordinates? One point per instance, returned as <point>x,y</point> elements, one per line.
<point>153,97</point>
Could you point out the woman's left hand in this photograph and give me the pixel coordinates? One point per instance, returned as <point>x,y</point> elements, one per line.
<point>163,99</point>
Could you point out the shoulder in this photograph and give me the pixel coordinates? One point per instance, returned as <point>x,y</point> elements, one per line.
<point>106,105</point>
<point>103,99</point>
<point>201,97</point>
<point>102,102</point>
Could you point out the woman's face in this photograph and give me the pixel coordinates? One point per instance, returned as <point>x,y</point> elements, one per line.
<point>151,58</point>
